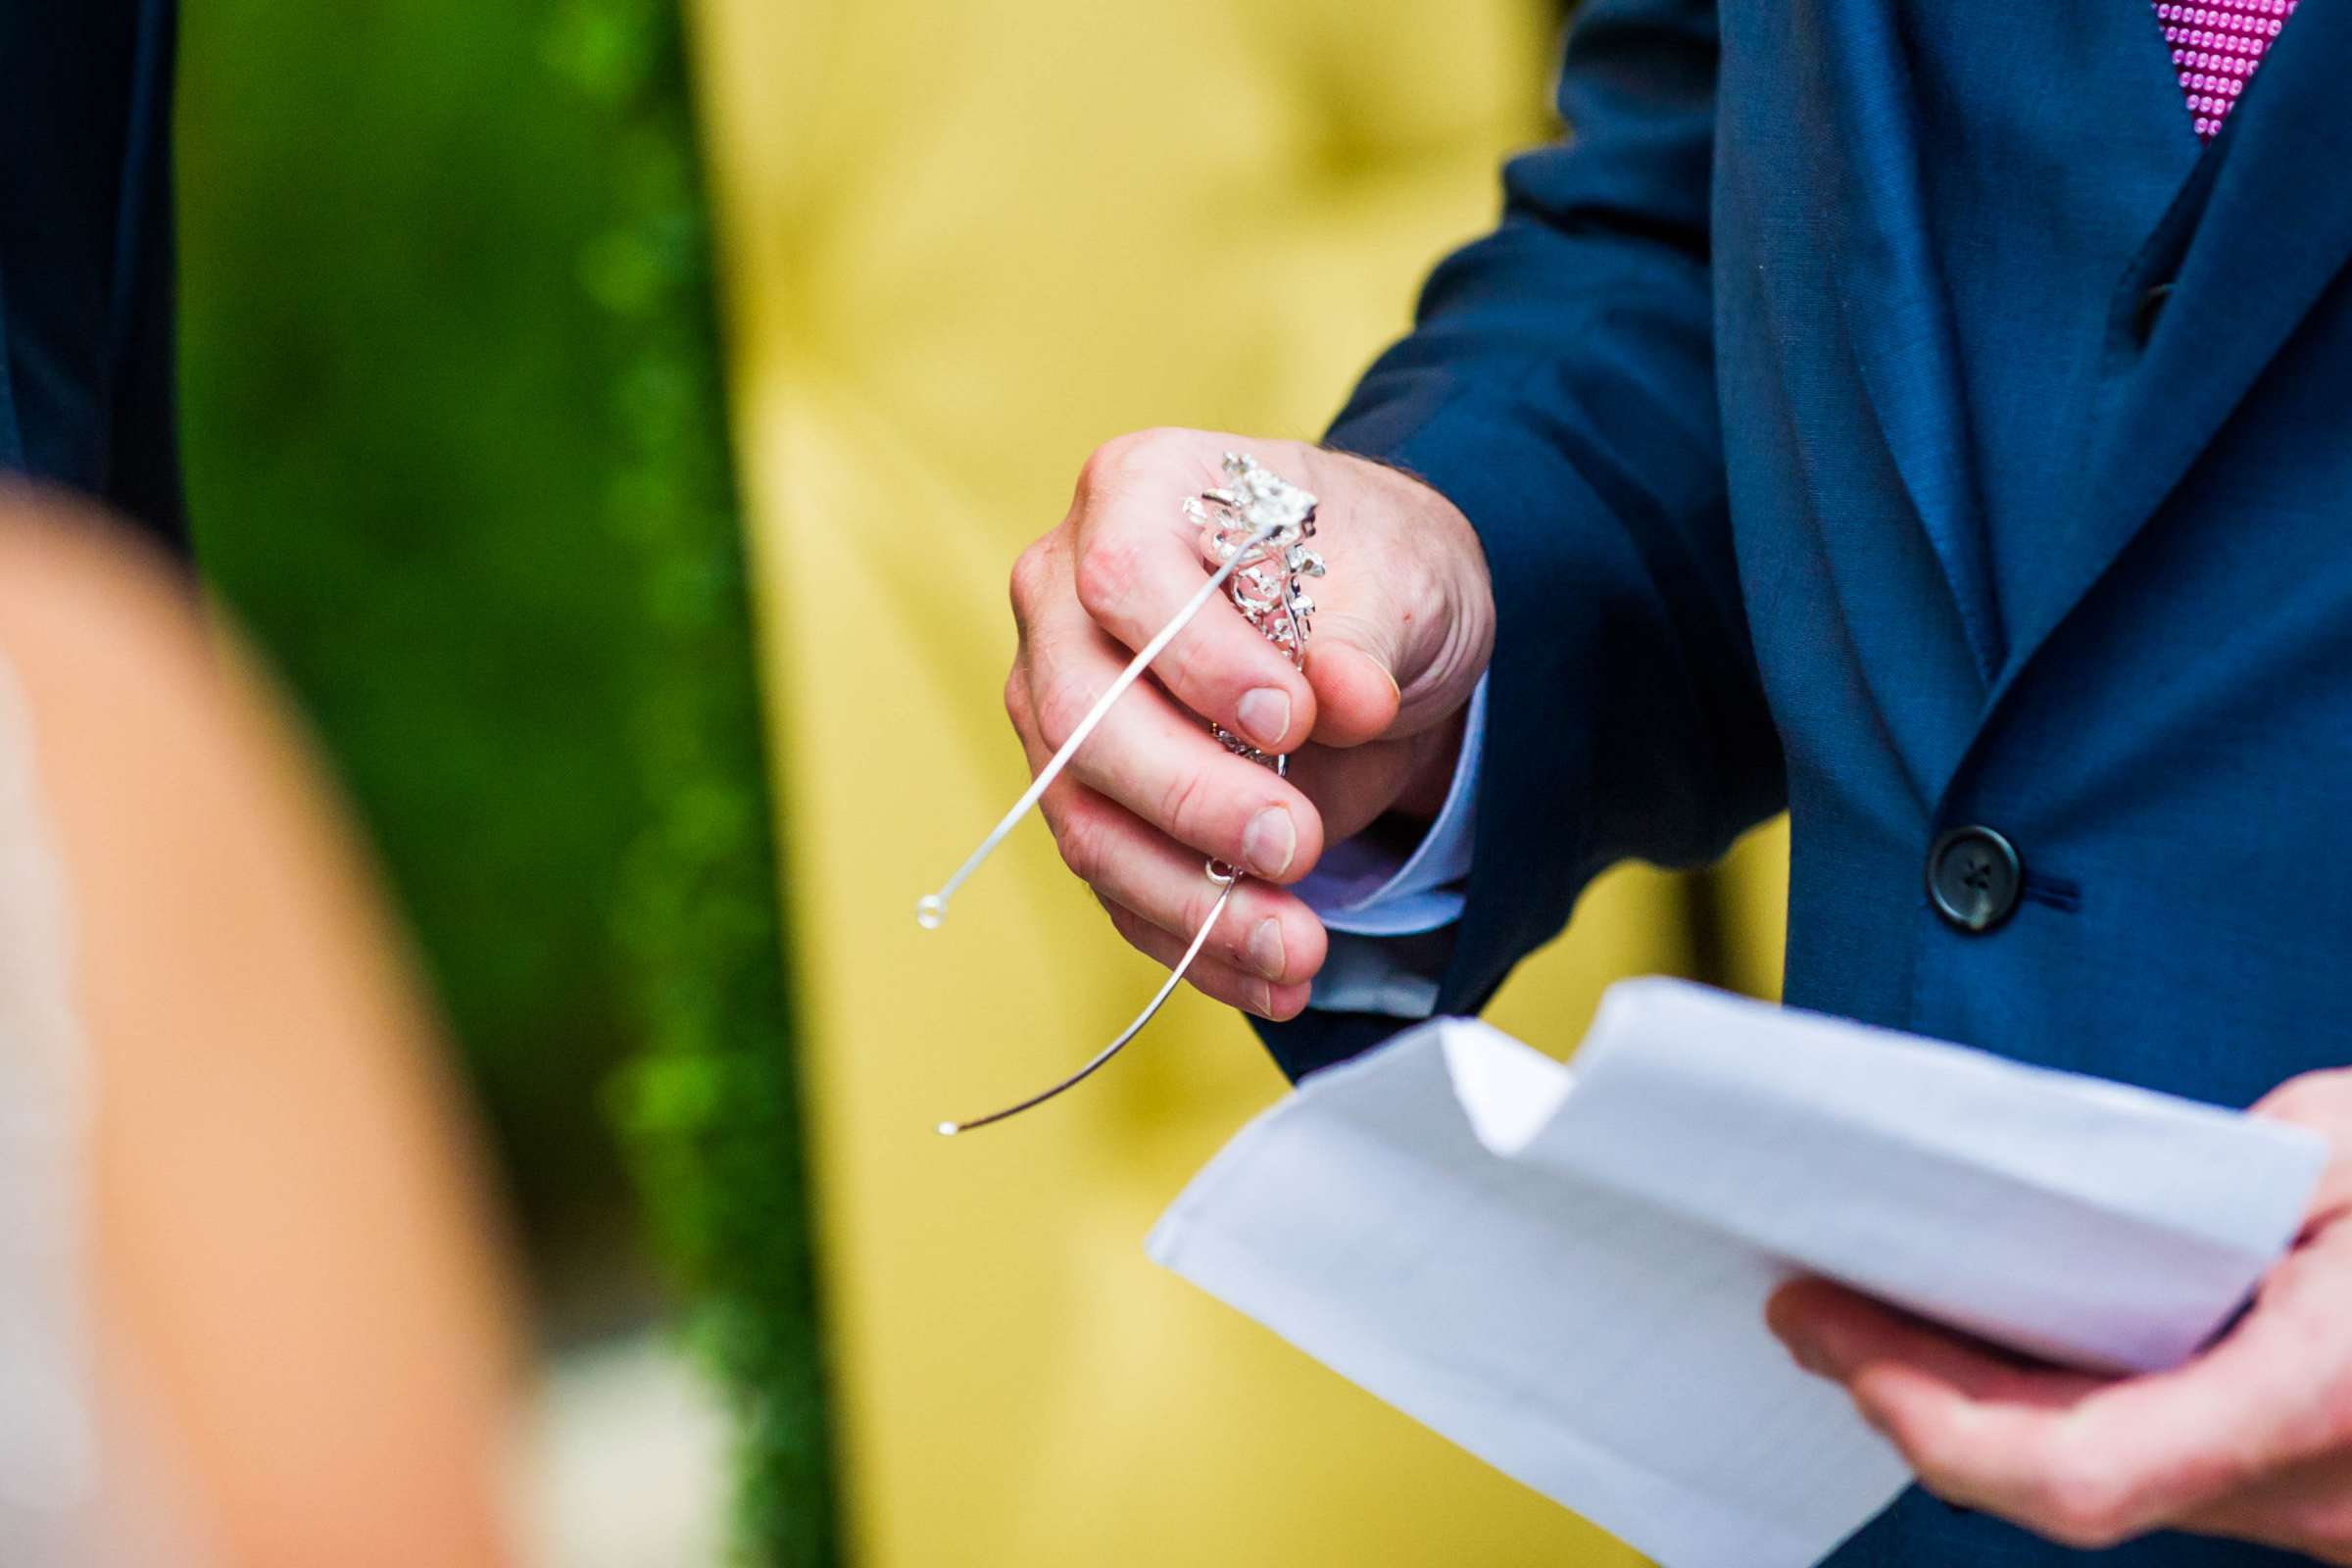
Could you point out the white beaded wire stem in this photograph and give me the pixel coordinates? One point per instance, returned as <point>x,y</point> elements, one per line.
<point>1257,529</point>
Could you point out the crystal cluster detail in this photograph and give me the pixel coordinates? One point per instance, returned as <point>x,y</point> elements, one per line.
<point>1266,585</point>
<point>2216,46</point>
<point>1262,522</point>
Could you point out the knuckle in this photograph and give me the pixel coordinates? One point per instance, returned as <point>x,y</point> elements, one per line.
<point>1079,838</point>
<point>1134,930</point>
<point>1107,572</point>
<point>1124,465</point>
<point>1180,803</point>
<point>1124,922</point>
<point>1181,666</point>
<point>1030,569</point>
<point>1016,699</point>
<point>1060,709</point>
<point>1111,466</point>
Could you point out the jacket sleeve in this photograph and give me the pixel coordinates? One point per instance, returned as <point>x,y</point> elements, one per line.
<point>1559,387</point>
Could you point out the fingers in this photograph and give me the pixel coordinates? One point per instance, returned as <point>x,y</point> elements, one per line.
<point>1846,1337</point>
<point>1213,976</point>
<point>1163,765</point>
<point>1353,787</point>
<point>1977,1427</point>
<point>1262,933</point>
<point>1137,563</point>
<point>2085,1460</point>
<point>1262,930</point>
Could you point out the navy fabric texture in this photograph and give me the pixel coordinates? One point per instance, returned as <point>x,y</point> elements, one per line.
<point>1827,451</point>
<point>86,317</point>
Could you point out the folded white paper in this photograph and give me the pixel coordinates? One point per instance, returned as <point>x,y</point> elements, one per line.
<point>1565,1273</point>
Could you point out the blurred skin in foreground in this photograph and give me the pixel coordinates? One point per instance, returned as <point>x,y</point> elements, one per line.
<point>305,1345</point>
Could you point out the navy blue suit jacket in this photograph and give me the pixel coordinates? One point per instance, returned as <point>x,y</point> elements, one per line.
<point>86,394</point>
<point>1887,409</point>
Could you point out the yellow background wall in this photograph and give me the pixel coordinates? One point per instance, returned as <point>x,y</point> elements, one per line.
<point>964,243</point>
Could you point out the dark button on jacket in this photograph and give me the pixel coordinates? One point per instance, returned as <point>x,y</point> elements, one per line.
<point>1974,877</point>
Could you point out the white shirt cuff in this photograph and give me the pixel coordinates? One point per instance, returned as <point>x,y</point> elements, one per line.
<point>1372,904</point>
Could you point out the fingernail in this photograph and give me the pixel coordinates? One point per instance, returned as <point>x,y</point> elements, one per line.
<point>1265,948</point>
<point>1261,998</point>
<point>1265,716</point>
<point>1269,842</point>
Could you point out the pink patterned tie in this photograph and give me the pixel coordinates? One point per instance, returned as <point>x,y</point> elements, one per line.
<point>2216,46</point>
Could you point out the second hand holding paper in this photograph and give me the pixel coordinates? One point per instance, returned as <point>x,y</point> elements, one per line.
<point>1565,1271</point>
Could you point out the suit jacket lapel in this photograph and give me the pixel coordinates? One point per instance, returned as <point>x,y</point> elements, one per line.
<point>1896,312</point>
<point>2261,227</point>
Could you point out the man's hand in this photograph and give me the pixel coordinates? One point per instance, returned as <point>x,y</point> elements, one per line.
<point>2253,1439</point>
<point>1402,632</point>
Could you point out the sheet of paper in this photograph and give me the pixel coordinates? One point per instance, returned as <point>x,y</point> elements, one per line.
<point>1566,1273</point>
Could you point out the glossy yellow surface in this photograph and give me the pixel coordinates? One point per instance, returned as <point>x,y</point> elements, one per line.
<point>963,242</point>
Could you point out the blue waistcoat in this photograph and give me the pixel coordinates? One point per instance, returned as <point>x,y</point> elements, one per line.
<point>87,320</point>
<point>1887,410</point>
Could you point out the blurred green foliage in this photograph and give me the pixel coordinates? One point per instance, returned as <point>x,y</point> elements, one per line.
<point>457,459</point>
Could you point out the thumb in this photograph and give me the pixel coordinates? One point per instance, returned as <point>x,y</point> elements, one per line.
<point>1409,620</point>
<point>1356,696</point>
<point>1383,672</point>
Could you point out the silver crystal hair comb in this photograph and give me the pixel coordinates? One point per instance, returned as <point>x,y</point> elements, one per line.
<point>1253,533</point>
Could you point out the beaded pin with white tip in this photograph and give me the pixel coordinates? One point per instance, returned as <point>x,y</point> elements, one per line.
<point>1253,533</point>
